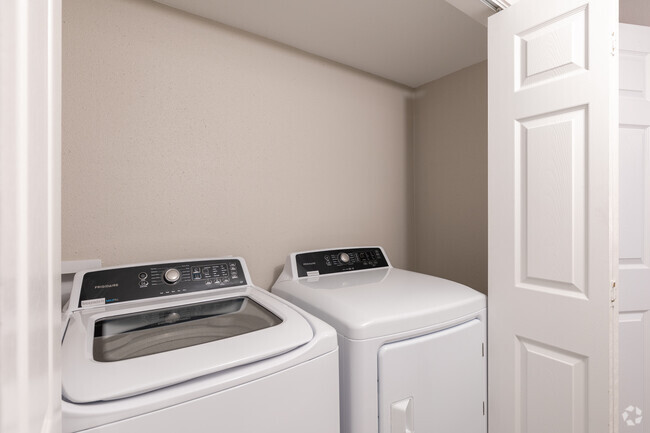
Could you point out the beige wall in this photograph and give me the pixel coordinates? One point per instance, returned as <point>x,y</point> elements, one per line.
<point>635,12</point>
<point>184,138</point>
<point>450,177</point>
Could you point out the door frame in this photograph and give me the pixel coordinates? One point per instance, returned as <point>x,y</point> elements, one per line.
<point>30,214</point>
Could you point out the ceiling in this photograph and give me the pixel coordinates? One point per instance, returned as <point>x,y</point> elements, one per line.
<point>410,42</point>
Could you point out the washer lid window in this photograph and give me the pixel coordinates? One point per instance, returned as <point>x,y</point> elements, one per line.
<point>87,380</point>
<point>146,333</point>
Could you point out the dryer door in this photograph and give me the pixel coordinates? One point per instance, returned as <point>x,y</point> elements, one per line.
<point>434,383</point>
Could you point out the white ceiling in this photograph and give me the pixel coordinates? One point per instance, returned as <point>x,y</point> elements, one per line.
<point>411,42</point>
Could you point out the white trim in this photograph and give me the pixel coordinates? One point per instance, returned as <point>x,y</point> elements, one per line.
<point>30,148</point>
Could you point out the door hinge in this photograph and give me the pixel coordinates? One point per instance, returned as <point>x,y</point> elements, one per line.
<point>614,43</point>
<point>483,408</point>
<point>613,293</point>
<point>483,350</point>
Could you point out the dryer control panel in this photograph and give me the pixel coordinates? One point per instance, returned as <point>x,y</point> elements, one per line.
<point>336,261</point>
<point>163,279</point>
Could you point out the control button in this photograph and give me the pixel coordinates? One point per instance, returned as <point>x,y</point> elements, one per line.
<point>344,257</point>
<point>172,276</point>
<point>226,280</point>
<point>142,275</point>
<point>144,283</point>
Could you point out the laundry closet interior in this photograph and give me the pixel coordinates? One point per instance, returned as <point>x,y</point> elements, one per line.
<point>189,136</point>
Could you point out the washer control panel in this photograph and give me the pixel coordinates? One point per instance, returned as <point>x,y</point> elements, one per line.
<point>336,261</point>
<point>150,281</point>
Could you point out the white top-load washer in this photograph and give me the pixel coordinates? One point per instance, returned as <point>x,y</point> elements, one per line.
<point>193,346</point>
<point>412,346</point>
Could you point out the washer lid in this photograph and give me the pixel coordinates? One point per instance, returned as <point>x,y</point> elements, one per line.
<point>112,352</point>
<point>381,302</point>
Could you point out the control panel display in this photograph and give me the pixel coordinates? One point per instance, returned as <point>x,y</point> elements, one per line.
<point>335,261</point>
<point>140,282</point>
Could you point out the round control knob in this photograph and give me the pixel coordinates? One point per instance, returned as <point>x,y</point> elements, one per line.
<point>344,257</point>
<point>172,275</point>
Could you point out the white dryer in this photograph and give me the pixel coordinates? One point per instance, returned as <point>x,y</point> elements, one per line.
<point>193,346</point>
<point>412,346</point>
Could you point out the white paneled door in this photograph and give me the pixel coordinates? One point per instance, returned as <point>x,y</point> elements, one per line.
<point>553,183</point>
<point>634,196</point>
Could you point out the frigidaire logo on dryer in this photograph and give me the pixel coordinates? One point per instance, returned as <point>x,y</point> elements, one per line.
<point>107,286</point>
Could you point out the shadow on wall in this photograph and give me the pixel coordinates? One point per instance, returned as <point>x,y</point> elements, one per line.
<point>634,12</point>
<point>450,172</point>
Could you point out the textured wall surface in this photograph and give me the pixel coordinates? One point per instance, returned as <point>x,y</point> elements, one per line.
<point>450,184</point>
<point>183,138</point>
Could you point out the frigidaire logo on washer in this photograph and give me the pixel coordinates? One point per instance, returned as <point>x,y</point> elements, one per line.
<point>107,286</point>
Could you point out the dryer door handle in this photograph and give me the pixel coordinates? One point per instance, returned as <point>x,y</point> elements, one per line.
<point>401,416</point>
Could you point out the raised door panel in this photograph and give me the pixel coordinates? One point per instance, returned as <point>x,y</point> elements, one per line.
<point>553,49</point>
<point>556,402</point>
<point>551,204</point>
<point>634,372</point>
<point>633,196</point>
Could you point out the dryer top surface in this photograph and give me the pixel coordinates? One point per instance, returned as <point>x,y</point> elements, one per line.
<point>381,302</point>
